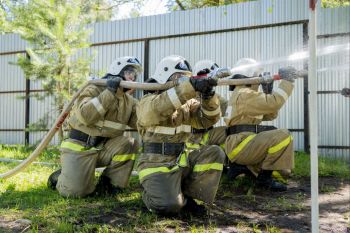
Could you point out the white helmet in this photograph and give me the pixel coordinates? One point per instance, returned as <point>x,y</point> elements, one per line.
<point>121,62</point>
<point>247,67</point>
<point>204,64</point>
<point>170,65</point>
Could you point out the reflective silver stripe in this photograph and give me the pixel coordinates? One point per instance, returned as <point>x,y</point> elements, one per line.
<point>183,128</point>
<point>258,117</point>
<point>282,93</point>
<point>212,113</point>
<point>111,124</point>
<point>170,130</point>
<point>98,106</point>
<point>228,111</point>
<point>174,98</point>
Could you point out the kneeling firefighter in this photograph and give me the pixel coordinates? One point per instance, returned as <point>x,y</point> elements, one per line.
<point>263,149</point>
<point>211,135</point>
<point>98,120</point>
<point>172,177</point>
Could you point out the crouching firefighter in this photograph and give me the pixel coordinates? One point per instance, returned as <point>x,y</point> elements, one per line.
<point>211,135</point>
<point>249,145</point>
<point>171,177</point>
<point>98,121</point>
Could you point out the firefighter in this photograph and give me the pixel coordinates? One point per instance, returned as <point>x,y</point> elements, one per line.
<point>262,149</point>
<point>171,177</point>
<point>211,135</point>
<point>98,120</point>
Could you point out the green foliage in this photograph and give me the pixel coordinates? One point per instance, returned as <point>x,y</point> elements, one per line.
<point>326,166</point>
<point>57,36</point>
<point>193,4</point>
<point>335,3</point>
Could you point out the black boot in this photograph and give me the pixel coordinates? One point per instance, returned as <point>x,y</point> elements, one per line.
<point>53,178</point>
<point>264,180</point>
<point>105,188</point>
<point>194,208</point>
<point>237,169</point>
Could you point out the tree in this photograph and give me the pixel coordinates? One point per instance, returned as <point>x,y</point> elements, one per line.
<point>193,4</point>
<point>335,3</point>
<point>56,31</point>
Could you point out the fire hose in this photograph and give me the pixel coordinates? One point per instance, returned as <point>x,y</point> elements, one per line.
<point>131,85</point>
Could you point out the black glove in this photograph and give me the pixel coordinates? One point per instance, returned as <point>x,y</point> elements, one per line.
<point>204,71</point>
<point>113,83</point>
<point>288,73</point>
<point>204,86</point>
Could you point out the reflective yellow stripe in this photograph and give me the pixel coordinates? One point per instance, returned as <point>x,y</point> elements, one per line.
<point>280,145</point>
<point>124,157</point>
<point>279,177</point>
<point>208,166</point>
<point>75,147</point>
<point>148,171</point>
<point>240,146</point>
<point>222,146</point>
<point>205,138</point>
<point>192,146</point>
<point>183,160</point>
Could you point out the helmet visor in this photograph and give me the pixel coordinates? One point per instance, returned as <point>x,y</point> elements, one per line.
<point>214,66</point>
<point>134,60</point>
<point>183,65</point>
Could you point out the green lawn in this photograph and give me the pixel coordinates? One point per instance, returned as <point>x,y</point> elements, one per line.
<point>25,196</point>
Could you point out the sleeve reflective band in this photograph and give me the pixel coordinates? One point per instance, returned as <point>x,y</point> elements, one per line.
<point>280,145</point>
<point>222,146</point>
<point>174,98</point>
<point>182,160</point>
<point>149,171</point>
<point>111,125</point>
<point>205,139</point>
<point>98,106</point>
<point>207,167</point>
<point>240,146</point>
<point>281,93</point>
<point>75,147</point>
<point>212,113</point>
<point>192,146</point>
<point>123,158</point>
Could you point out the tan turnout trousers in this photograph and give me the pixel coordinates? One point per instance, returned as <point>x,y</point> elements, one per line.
<point>269,150</point>
<point>77,178</point>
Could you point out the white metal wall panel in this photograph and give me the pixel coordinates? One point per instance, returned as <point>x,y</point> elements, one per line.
<point>334,109</point>
<point>264,44</point>
<point>11,117</point>
<point>38,109</point>
<point>200,20</point>
<point>11,137</point>
<point>227,48</point>
<point>11,43</point>
<point>107,53</point>
<point>333,20</point>
<point>12,111</point>
<point>11,76</point>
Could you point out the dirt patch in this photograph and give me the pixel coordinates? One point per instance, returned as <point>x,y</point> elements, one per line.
<point>250,210</point>
<point>14,225</point>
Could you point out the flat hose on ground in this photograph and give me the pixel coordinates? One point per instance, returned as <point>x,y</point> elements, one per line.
<point>130,85</point>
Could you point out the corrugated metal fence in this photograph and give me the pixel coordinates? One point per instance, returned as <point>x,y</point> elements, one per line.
<point>263,30</point>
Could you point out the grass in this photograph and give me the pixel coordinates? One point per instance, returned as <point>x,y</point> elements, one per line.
<point>326,167</point>
<point>25,196</point>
